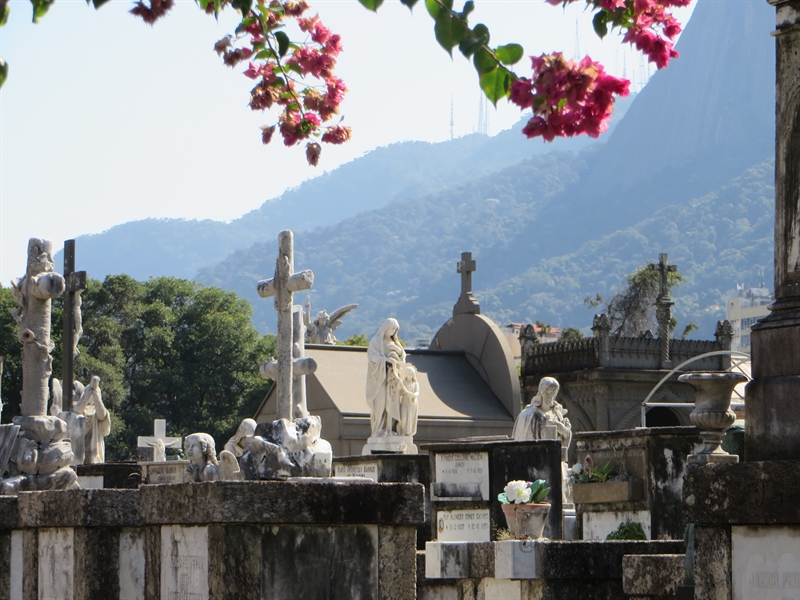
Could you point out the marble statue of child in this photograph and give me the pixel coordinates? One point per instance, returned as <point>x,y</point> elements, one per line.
<point>202,454</point>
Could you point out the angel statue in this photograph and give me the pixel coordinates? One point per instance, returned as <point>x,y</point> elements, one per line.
<point>320,330</point>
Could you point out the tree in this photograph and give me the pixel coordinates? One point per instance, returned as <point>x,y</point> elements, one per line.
<point>570,333</point>
<point>633,310</point>
<point>358,339</point>
<point>296,76</point>
<point>163,349</point>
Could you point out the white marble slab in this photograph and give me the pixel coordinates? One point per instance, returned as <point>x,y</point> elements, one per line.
<point>467,525</point>
<point>766,562</point>
<point>446,560</point>
<point>131,564</point>
<point>501,589</point>
<point>597,525</point>
<point>90,482</point>
<point>460,474</point>
<point>184,563</point>
<point>171,471</point>
<point>368,470</point>
<point>16,564</point>
<point>515,559</point>
<point>56,563</point>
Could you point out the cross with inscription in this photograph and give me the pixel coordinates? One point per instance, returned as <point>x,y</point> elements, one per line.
<point>664,308</point>
<point>282,286</point>
<point>159,433</point>
<point>466,302</point>
<point>72,321</point>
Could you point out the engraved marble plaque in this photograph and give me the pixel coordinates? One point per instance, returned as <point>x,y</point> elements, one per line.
<point>369,470</point>
<point>16,564</point>
<point>131,564</point>
<point>766,563</point>
<point>164,472</point>
<point>462,474</point>
<point>184,563</point>
<point>463,525</point>
<point>56,564</point>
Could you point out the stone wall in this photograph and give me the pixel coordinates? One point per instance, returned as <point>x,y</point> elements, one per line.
<point>223,540</point>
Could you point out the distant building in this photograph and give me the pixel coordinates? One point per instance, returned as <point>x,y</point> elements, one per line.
<point>743,311</point>
<point>511,331</point>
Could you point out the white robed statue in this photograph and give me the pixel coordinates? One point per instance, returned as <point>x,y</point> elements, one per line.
<point>392,392</point>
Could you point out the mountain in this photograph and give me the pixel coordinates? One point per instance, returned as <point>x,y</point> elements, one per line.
<point>691,177</point>
<point>405,170</point>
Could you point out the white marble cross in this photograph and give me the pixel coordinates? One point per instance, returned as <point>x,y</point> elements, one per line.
<point>282,286</point>
<point>159,433</point>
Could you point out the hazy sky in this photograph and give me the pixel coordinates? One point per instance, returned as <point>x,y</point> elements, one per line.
<point>105,120</point>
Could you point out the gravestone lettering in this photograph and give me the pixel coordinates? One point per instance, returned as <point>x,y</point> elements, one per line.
<point>462,474</point>
<point>464,525</point>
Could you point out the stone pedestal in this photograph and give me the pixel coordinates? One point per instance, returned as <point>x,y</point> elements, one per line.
<point>466,478</point>
<point>122,475</point>
<point>390,444</point>
<point>654,460</point>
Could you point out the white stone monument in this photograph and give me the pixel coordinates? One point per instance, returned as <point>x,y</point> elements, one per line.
<point>392,393</point>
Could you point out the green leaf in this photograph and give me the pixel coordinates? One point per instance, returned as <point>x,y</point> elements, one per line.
<point>437,7</point>
<point>502,498</point>
<point>449,30</point>
<point>294,67</point>
<point>267,53</point>
<point>495,84</point>
<point>246,22</point>
<point>562,103</point>
<point>469,6</point>
<point>484,61</point>
<point>371,4</point>
<point>98,3</point>
<point>3,71</point>
<point>5,9</point>
<point>283,42</point>
<point>469,46</point>
<point>600,24</point>
<point>40,8</point>
<point>481,31</point>
<point>409,3</point>
<point>242,6</point>
<point>509,54</point>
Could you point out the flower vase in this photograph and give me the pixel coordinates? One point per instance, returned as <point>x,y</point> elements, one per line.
<point>526,520</point>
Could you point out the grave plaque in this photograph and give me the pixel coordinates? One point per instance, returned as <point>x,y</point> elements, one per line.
<point>184,563</point>
<point>766,563</point>
<point>164,472</point>
<point>131,564</point>
<point>467,525</point>
<point>56,564</point>
<point>462,475</point>
<point>368,470</point>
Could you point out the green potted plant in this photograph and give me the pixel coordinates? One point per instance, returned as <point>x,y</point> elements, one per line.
<point>591,484</point>
<point>524,508</point>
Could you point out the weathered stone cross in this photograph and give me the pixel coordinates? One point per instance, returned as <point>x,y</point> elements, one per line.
<point>287,367</point>
<point>466,302</point>
<point>75,284</point>
<point>664,308</point>
<point>159,433</point>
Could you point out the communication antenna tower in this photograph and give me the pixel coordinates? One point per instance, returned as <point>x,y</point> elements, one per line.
<point>577,42</point>
<point>483,115</point>
<point>452,121</point>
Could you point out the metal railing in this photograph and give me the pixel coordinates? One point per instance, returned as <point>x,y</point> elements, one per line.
<point>647,404</point>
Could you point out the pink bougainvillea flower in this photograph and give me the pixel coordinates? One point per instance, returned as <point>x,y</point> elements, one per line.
<point>151,14</point>
<point>266,133</point>
<point>337,134</point>
<point>313,150</point>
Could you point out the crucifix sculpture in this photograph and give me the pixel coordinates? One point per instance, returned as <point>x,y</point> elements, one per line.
<point>664,307</point>
<point>72,321</point>
<point>467,304</point>
<point>282,286</point>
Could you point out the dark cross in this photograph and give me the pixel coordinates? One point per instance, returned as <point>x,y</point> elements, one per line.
<point>75,283</point>
<point>664,269</point>
<point>466,302</point>
<point>664,308</point>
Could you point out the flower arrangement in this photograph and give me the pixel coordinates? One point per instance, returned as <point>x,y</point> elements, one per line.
<point>524,492</point>
<point>588,473</point>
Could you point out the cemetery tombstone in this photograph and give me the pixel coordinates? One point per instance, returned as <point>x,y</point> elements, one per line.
<point>160,471</point>
<point>466,478</point>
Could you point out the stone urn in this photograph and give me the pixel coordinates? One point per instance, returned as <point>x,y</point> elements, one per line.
<point>526,520</point>
<point>712,413</point>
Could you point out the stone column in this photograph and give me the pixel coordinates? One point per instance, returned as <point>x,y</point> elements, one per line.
<point>773,397</point>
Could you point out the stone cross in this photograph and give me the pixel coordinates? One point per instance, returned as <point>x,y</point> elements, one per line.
<point>282,286</point>
<point>466,302</point>
<point>159,433</point>
<point>75,284</point>
<point>664,308</point>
